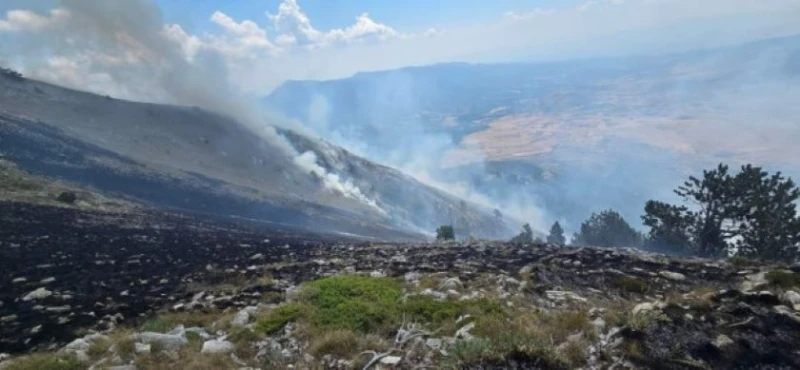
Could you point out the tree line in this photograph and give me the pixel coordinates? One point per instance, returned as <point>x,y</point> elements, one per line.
<point>751,213</point>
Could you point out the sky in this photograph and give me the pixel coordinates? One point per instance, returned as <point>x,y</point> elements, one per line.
<point>263,43</point>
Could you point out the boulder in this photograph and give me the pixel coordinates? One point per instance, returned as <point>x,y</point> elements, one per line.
<point>391,360</point>
<point>217,346</point>
<point>168,341</point>
<point>674,276</point>
<point>40,293</point>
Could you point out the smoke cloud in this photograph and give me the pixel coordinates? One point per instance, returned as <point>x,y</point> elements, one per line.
<point>125,48</point>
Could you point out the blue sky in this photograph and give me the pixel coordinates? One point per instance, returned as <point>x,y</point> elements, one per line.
<point>67,42</point>
<point>402,14</point>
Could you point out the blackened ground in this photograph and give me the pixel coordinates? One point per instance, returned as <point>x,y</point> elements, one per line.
<point>106,264</point>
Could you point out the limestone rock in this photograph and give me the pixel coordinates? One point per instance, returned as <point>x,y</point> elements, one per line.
<point>217,346</point>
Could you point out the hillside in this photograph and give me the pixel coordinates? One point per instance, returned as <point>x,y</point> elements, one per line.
<point>191,159</point>
<point>631,127</point>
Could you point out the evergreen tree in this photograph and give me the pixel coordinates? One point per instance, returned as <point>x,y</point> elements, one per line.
<point>556,235</point>
<point>607,229</point>
<point>445,232</point>
<point>525,236</point>
<point>752,213</point>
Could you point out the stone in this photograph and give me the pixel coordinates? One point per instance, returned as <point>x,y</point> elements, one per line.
<point>391,360</point>
<point>563,295</point>
<point>791,299</point>
<point>463,333</point>
<point>8,318</point>
<point>722,341</point>
<point>753,281</point>
<point>79,344</point>
<point>434,343</point>
<point>241,319</point>
<point>437,295</point>
<point>19,280</point>
<point>47,280</point>
<point>141,348</point>
<point>643,307</point>
<point>674,276</point>
<point>58,309</point>
<point>168,341</point>
<point>450,283</point>
<point>257,256</point>
<point>39,293</point>
<point>377,274</point>
<point>217,346</point>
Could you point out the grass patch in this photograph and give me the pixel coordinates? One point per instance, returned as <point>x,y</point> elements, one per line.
<point>45,361</point>
<point>528,338</point>
<point>276,319</point>
<point>631,284</point>
<point>339,343</point>
<point>641,321</point>
<point>782,279</point>
<point>739,261</point>
<point>357,303</point>
<point>186,361</point>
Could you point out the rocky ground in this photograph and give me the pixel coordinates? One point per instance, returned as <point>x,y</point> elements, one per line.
<point>137,290</point>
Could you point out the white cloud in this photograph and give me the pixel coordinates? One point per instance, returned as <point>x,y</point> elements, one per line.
<point>242,37</point>
<point>26,20</point>
<point>294,27</point>
<point>286,45</point>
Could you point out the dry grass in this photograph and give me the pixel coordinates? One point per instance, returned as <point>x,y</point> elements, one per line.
<point>168,321</point>
<point>339,343</point>
<point>44,361</point>
<point>186,361</point>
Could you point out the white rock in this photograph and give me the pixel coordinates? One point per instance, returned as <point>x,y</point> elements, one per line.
<point>792,299</point>
<point>241,318</point>
<point>753,281</point>
<point>142,348</point>
<point>377,274</point>
<point>434,343</point>
<point>437,295</point>
<point>722,340</point>
<point>463,333</point>
<point>391,360</point>
<point>79,344</point>
<point>40,293</point>
<point>559,295</point>
<point>675,276</point>
<point>47,280</point>
<point>217,346</point>
<point>450,283</point>
<point>642,307</point>
<point>19,280</point>
<point>168,341</point>
<point>257,256</point>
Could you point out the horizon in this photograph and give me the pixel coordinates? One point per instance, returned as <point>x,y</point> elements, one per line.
<point>260,45</point>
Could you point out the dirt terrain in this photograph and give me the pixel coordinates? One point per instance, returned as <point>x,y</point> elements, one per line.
<point>70,273</point>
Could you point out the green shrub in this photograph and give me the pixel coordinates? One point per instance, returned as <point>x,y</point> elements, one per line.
<point>782,279</point>
<point>356,303</point>
<point>631,284</point>
<point>445,232</point>
<point>280,316</point>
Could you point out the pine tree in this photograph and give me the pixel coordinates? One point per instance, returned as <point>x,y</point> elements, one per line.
<point>607,229</point>
<point>556,235</point>
<point>525,236</point>
<point>752,214</point>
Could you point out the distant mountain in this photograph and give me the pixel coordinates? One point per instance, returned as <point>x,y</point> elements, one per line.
<point>190,159</point>
<point>567,138</point>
